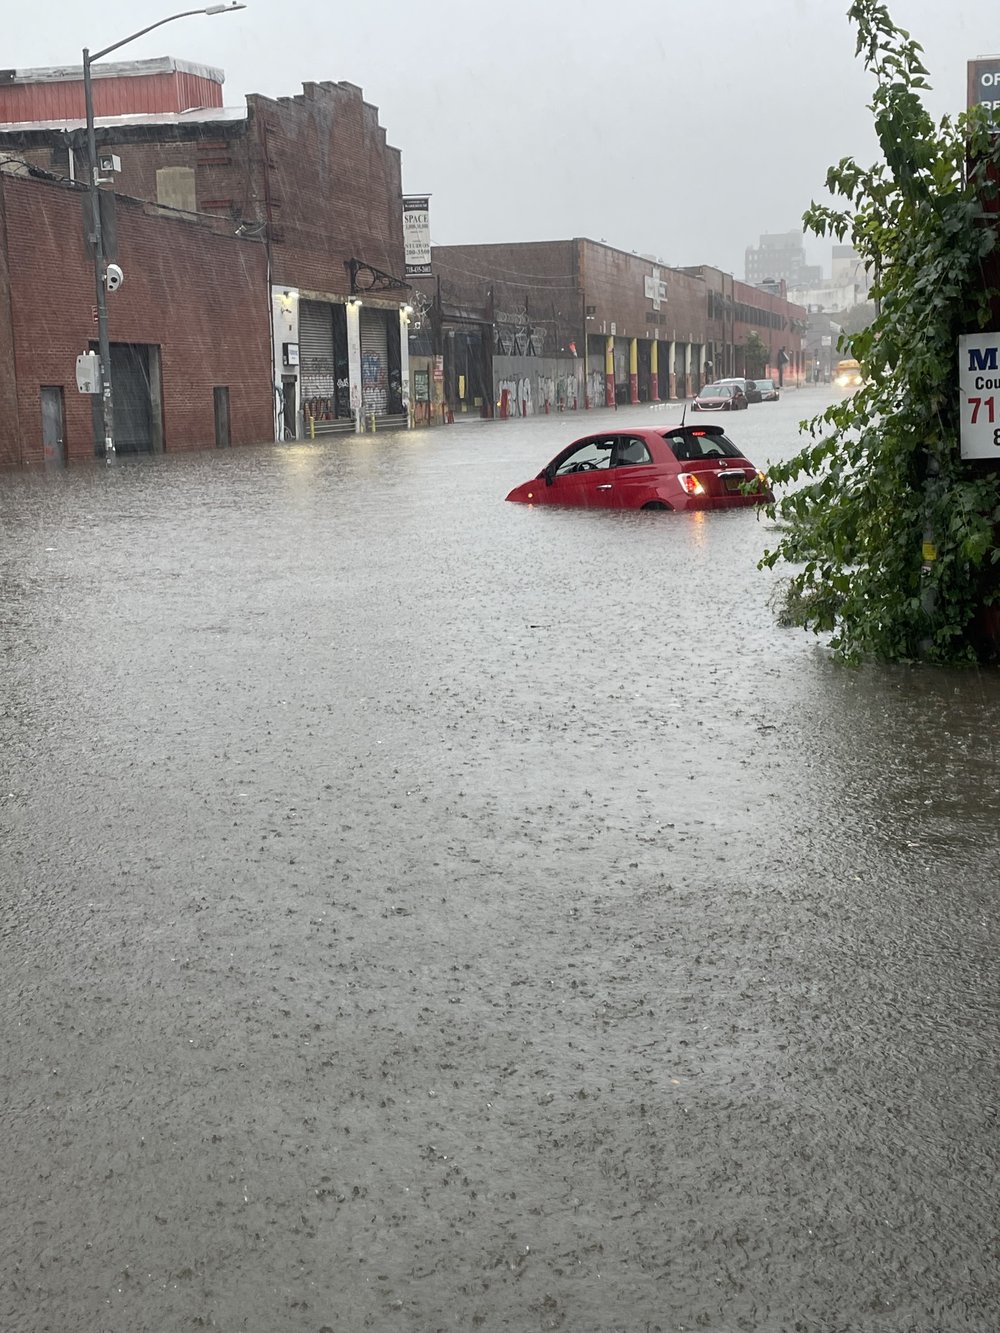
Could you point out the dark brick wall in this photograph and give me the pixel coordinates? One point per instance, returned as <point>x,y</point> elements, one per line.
<point>201,296</point>
<point>550,282</point>
<point>615,282</point>
<point>316,167</point>
<point>224,161</point>
<point>740,301</point>
<point>533,285</point>
<point>334,186</point>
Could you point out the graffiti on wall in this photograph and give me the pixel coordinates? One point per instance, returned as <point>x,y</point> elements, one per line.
<point>374,388</point>
<point>529,395</point>
<point>515,335</point>
<point>596,384</point>
<point>316,376</point>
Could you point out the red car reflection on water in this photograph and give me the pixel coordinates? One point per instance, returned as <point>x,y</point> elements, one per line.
<point>680,467</point>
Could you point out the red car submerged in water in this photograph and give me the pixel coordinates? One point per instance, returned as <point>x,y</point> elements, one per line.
<point>676,467</point>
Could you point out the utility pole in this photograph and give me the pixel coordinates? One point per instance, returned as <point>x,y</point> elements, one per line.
<point>97,242</point>
<point>96,227</point>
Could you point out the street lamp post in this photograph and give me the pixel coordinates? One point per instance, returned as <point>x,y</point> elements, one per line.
<point>96,228</point>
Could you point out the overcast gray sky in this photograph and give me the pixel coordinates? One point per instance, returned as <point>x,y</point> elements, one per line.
<point>681,128</point>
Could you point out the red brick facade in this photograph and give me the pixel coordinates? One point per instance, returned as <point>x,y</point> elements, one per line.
<point>315,169</point>
<point>197,295</point>
<point>548,298</point>
<point>333,188</point>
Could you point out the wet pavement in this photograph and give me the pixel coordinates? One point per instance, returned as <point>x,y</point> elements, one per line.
<point>419,912</point>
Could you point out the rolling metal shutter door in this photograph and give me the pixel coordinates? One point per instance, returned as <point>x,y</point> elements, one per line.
<point>374,362</point>
<point>317,384</point>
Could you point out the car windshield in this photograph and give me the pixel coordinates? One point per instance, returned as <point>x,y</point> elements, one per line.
<point>690,445</point>
<point>764,384</point>
<point>716,391</point>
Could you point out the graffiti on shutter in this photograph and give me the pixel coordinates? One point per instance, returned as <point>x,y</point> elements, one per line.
<point>374,362</point>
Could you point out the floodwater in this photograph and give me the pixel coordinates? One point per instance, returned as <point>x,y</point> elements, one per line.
<point>424,913</point>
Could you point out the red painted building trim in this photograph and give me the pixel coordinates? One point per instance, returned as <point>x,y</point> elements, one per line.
<point>135,95</point>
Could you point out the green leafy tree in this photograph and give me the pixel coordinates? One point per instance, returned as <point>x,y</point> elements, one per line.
<point>755,355</point>
<point>892,535</point>
<point>858,317</point>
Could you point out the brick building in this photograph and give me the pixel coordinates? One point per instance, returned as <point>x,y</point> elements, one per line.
<point>577,323</point>
<point>311,176</point>
<point>189,339</point>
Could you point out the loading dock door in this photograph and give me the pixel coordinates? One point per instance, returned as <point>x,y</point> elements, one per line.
<point>130,378</point>
<point>374,362</point>
<point>138,400</point>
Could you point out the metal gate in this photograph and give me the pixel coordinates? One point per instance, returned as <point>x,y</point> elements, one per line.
<point>130,379</point>
<point>317,382</point>
<point>374,363</point>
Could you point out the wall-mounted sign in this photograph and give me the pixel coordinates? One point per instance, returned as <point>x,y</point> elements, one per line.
<point>439,370</point>
<point>290,354</point>
<point>979,387</point>
<point>655,288</point>
<point>984,83</point>
<point>417,235</point>
<point>422,386</point>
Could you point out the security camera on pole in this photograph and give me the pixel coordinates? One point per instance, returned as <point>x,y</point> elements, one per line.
<point>109,277</point>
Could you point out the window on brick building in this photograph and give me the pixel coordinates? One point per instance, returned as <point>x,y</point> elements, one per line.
<point>175,188</point>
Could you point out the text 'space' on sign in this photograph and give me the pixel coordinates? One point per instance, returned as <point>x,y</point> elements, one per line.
<point>417,235</point>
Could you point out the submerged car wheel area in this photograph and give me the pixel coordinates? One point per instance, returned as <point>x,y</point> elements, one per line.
<point>679,467</point>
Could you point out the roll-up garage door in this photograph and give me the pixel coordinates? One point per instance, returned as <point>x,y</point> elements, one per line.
<point>317,383</point>
<point>374,362</point>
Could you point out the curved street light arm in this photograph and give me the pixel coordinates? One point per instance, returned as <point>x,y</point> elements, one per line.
<point>210,9</point>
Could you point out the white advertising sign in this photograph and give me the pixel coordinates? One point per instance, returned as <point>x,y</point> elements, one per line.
<point>416,235</point>
<point>979,387</point>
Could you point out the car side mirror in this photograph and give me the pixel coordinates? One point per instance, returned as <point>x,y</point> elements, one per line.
<point>550,475</point>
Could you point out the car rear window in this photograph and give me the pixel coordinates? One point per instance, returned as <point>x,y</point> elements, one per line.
<point>690,446</point>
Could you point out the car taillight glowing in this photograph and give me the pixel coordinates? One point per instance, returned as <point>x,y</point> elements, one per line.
<point>690,483</point>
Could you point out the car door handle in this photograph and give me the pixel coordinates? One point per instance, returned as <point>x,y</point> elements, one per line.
<point>606,487</point>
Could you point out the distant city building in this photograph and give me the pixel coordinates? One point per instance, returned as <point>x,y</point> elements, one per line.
<point>847,286</point>
<point>848,269</point>
<point>773,286</point>
<point>781,255</point>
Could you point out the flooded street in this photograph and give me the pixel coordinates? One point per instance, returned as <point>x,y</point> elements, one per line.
<point>419,912</point>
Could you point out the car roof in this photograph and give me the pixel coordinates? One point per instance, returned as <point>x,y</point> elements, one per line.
<point>688,427</point>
